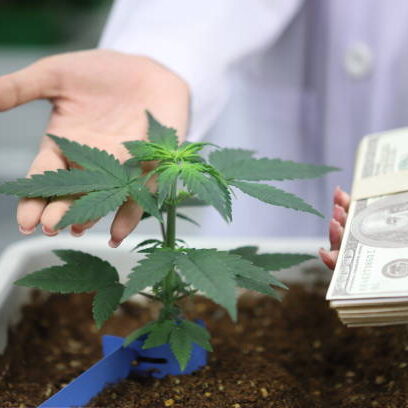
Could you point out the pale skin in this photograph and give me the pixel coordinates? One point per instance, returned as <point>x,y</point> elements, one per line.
<point>99,98</point>
<point>341,202</point>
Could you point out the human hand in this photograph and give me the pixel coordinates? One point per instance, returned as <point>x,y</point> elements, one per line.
<point>99,98</point>
<point>336,227</point>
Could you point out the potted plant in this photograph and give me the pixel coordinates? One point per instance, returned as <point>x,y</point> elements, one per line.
<point>170,268</point>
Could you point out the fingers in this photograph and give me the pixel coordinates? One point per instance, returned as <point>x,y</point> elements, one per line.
<point>52,215</point>
<point>336,228</point>
<point>30,210</point>
<point>125,221</point>
<point>341,198</point>
<point>340,215</point>
<point>335,235</point>
<point>329,258</point>
<point>37,81</point>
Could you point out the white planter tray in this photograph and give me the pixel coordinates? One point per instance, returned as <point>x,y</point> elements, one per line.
<point>36,253</point>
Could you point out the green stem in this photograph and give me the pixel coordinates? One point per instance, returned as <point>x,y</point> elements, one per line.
<point>171,227</point>
<point>169,281</point>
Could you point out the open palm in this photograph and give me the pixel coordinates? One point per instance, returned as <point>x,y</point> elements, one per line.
<point>99,98</point>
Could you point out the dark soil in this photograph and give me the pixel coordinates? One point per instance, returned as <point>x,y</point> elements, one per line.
<point>289,355</point>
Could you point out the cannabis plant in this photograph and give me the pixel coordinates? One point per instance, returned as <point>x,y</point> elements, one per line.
<point>169,268</point>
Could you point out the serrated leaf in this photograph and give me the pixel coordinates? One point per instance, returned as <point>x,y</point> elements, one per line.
<point>271,262</point>
<point>275,196</point>
<point>181,346</point>
<point>162,135</point>
<point>239,165</point>
<point>65,279</point>
<point>60,183</point>
<point>145,151</point>
<point>93,206</point>
<point>133,169</point>
<point>246,252</point>
<point>198,334</point>
<point>139,333</point>
<point>150,271</point>
<point>159,334</point>
<point>207,188</point>
<point>105,302</point>
<point>275,262</point>
<point>91,158</point>
<point>256,286</point>
<point>208,271</point>
<point>141,194</point>
<point>147,242</point>
<point>166,181</point>
<point>225,159</point>
<point>101,268</point>
<point>245,268</point>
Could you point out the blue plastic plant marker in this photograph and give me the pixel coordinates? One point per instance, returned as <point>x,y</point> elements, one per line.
<point>114,367</point>
<point>117,364</point>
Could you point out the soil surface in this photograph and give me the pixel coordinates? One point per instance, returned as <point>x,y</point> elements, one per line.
<point>288,355</point>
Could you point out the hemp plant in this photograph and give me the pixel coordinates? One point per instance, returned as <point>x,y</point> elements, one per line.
<point>169,268</point>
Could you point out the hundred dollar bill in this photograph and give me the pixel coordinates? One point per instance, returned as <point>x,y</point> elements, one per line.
<point>372,268</point>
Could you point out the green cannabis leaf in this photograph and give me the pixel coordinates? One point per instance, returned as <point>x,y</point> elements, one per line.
<point>210,271</point>
<point>106,302</point>
<point>81,273</point>
<point>240,165</point>
<point>161,135</point>
<point>275,196</point>
<point>181,335</point>
<point>93,206</point>
<point>183,176</point>
<point>90,158</point>
<point>207,187</point>
<point>271,262</point>
<point>60,183</point>
<point>150,271</point>
<point>106,183</point>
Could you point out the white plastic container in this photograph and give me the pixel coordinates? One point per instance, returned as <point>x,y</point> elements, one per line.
<point>35,253</point>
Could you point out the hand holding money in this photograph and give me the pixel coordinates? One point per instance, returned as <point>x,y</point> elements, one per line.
<point>341,203</point>
<point>370,282</point>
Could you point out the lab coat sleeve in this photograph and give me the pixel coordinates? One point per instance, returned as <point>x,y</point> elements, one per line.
<point>200,40</point>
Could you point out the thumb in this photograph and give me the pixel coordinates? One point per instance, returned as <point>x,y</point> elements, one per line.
<point>37,81</point>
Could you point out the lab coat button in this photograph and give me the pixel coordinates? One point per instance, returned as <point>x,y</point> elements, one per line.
<point>358,60</point>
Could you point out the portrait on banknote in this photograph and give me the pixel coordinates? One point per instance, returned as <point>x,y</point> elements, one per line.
<point>383,223</point>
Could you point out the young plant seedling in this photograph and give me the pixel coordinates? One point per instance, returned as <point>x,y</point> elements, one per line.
<point>172,270</point>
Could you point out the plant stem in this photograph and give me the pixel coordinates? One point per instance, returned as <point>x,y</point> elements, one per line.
<point>169,281</point>
<point>171,227</point>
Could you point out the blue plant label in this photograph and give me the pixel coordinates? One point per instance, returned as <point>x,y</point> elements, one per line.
<point>118,362</point>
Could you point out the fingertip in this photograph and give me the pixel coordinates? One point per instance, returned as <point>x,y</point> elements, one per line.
<point>49,232</point>
<point>76,232</point>
<point>29,211</point>
<point>126,220</point>
<point>53,214</point>
<point>328,258</point>
<point>25,231</point>
<point>114,244</point>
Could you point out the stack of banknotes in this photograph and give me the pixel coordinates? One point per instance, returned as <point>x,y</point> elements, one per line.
<point>369,286</point>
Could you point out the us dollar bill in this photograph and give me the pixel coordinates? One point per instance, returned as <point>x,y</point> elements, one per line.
<point>370,282</point>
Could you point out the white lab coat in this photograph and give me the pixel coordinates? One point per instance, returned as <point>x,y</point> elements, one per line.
<point>299,80</point>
